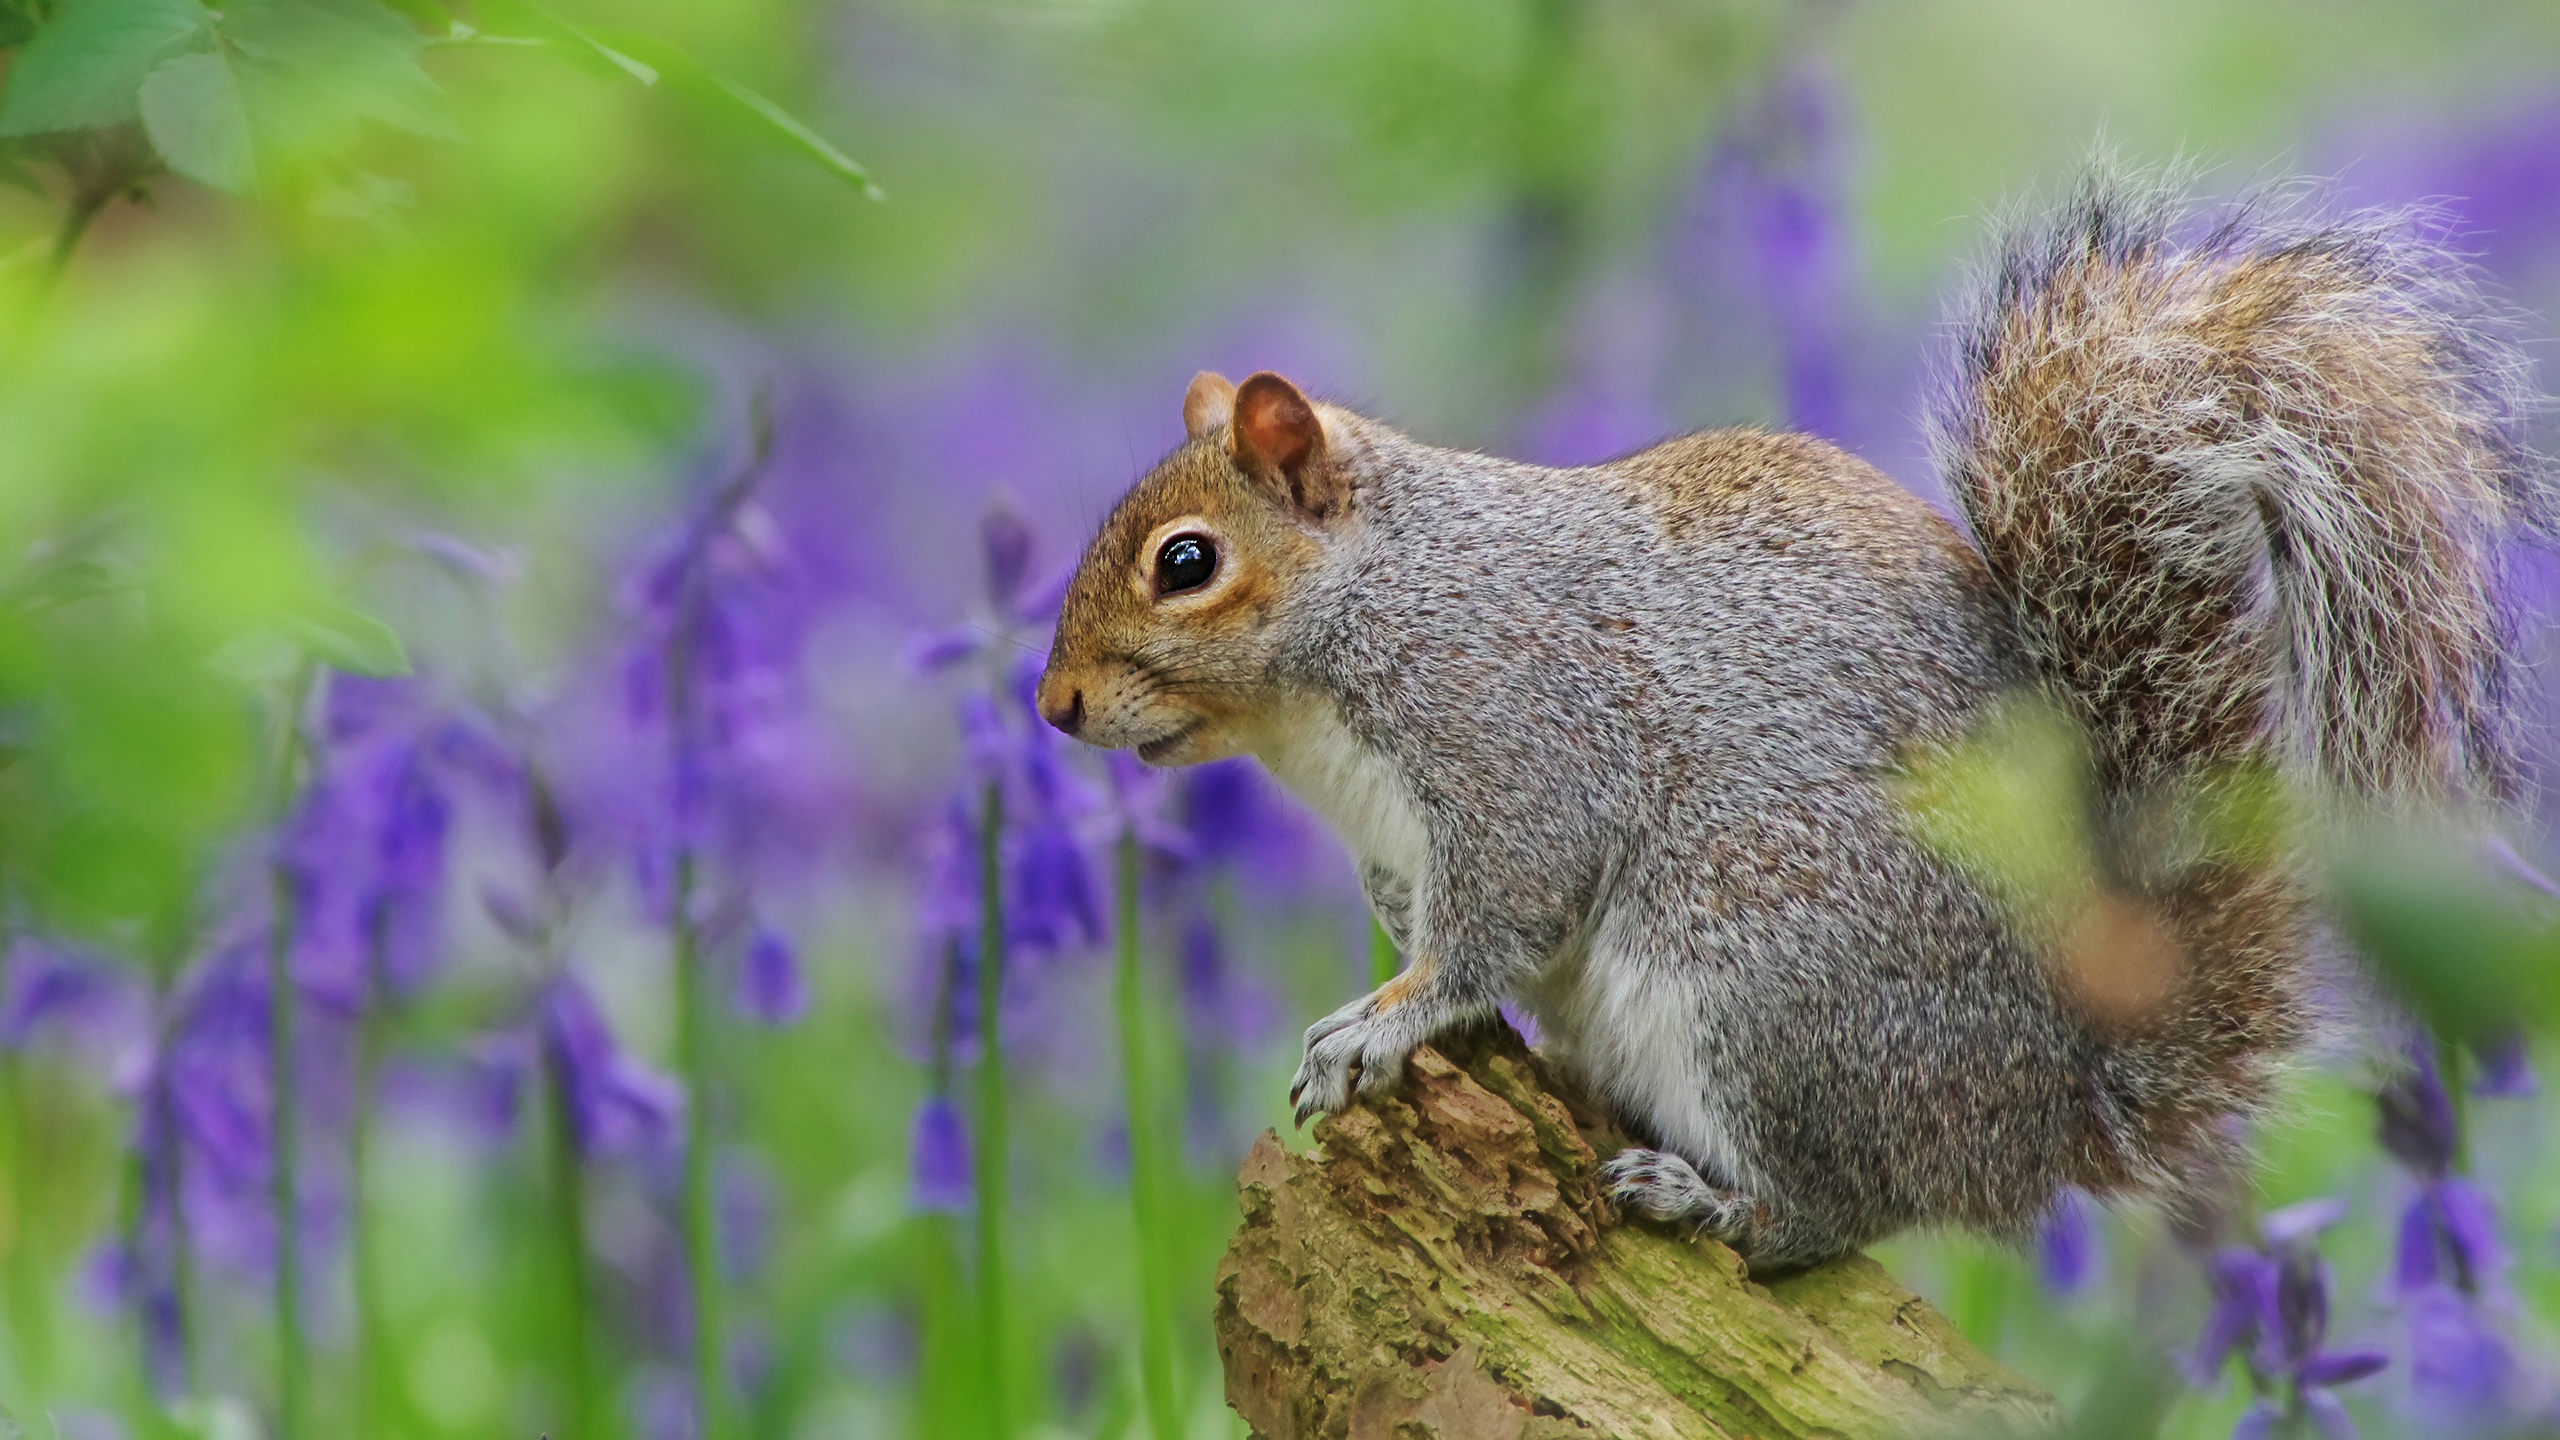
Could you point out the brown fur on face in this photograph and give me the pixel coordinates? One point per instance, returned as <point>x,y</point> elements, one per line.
<point>1185,677</point>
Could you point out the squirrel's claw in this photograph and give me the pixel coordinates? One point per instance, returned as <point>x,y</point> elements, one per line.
<point>1662,1186</point>
<point>1358,1048</point>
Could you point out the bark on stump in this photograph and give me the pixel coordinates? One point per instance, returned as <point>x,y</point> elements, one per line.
<point>1444,1267</point>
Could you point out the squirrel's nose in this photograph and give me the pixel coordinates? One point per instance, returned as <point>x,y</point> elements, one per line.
<point>1066,713</point>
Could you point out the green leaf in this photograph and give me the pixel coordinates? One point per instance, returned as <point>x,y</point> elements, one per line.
<point>86,67</point>
<point>559,29</point>
<point>345,638</point>
<point>721,93</point>
<point>17,26</point>
<point>14,172</point>
<point>313,70</point>
<point>61,582</point>
<point>191,110</point>
<point>809,141</point>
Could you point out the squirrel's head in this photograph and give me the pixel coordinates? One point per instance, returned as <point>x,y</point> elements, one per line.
<point>1166,641</point>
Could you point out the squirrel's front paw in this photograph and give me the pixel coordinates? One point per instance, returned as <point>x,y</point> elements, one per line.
<point>1359,1044</point>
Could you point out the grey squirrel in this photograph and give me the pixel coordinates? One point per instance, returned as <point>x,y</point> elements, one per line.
<point>1622,742</point>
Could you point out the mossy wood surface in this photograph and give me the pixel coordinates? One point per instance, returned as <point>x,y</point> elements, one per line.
<point>1444,1267</point>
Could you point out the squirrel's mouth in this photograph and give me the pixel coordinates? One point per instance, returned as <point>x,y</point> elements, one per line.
<point>1154,751</point>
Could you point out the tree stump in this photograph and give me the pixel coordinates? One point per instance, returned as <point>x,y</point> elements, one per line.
<point>1443,1266</point>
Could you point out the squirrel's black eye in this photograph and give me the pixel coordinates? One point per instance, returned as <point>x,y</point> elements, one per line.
<point>1185,563</point>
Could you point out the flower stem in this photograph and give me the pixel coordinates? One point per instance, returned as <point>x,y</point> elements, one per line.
<point>372,1373</point>
<point>30,1323</point>
<point>693,1013</point>
<point>1383,961</point>
<point>568,1194</point>
<point>286,1118</point>
<point>701,1232</point>
<point>159,1118</point>
<point>945,1404</point>
<point>991,1136</point>
<point>1155,1340</point>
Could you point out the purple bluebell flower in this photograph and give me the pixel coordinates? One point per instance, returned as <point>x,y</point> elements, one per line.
<point>746,1205</point>
<point>2449,1265</point>
<point>1607,405</point>
<point>477,1095</point>
<point>939,1153</point>
<point>1006,544</point>
<point>1770,223</point>
<point>2271,1307</point>
<point>875,1343</point>
<point>468,562</point>
<point>662,1406</point>
<point>78,1422</point>
<point>615,1103</point>
<point>2505,1068</point>
<point>1141,805</point>
<point>95,1005</point>
<point>403,914</point>
<point>1223,1006</point>
<point>1244,825</point>
<point>2464,1371</point>
<point>1013,606</point>
<point>2449,1232</point>
<point>771,989</point>
<point>2069,1253</point>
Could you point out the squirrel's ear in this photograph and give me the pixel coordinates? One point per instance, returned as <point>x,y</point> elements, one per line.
<point>1278,437</point>
<point>1208,404</point>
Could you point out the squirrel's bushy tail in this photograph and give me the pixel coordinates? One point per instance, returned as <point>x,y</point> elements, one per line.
<point>2244,477</point>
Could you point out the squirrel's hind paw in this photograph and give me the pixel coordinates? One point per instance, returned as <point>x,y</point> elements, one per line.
<point>1661,1186</point>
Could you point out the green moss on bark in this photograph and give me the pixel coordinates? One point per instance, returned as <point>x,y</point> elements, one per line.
<point>1444,1267</point>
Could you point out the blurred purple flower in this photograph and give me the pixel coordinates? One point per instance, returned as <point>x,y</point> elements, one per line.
<point>1141,806</point>
<point>2463,1370</point>
<point>2449,1265</point>
<point>1221,1007</point>
<point>2271,1306</point>
<point>2417,1122</point>
<point>662,1406</point>
<point>705,740</point>
<point>771,990</point>
<point>1240,820</point>
<point>1607,404</point>
<point>746,1206</point>
<point>615,1102</point>
<point>2449,1235</point>
<point>1004,555</point>
<point>50,988</point>
<point>404,912</point>
<point>1770,223</point>
<point>2068,1252</point>
<point>477,1095</point>
<point>875,1343</point>
<point>2449,1232</point>
<point>939,1153</point>
<point>77,1422</point>
<point>467,561</point>
<point>1005,543</point>
<point>2506,1068</point>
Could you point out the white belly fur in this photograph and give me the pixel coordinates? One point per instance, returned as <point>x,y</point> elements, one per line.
<point>1630,1031</point>
<point>1357,790</point>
